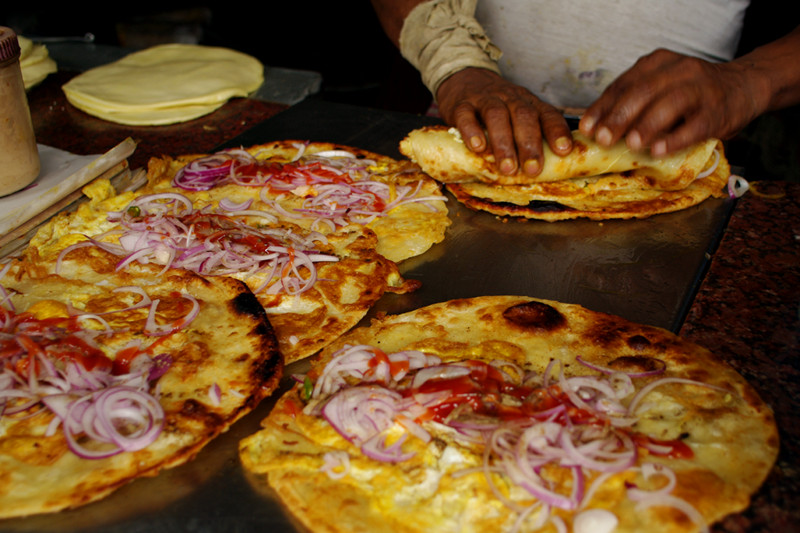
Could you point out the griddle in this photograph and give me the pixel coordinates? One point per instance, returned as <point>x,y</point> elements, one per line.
<point>643,270</point>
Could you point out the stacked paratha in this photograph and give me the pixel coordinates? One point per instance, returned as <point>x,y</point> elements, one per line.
<point>165,84</point>
<point>591,182</point>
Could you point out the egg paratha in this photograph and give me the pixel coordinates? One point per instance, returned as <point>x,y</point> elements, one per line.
<point>314,287</point>
<point>318,185</point>
<point>612,196</point>
<point>443,155</point>
<point>108,376</point>
<point>591,182</point>
<point>506,413</point>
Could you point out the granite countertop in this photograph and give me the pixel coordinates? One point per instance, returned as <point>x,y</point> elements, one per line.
<point>747,309</point>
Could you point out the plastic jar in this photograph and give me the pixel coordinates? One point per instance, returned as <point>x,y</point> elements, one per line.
<point>19,157</point>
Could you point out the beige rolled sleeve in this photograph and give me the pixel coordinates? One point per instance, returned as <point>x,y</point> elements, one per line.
<point>442,37</point>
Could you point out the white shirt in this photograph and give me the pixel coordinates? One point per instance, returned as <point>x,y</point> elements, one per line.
<point>567,51</point>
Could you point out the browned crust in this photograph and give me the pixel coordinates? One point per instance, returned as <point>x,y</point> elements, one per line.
<point>450,329</point>
<point>231,339</point>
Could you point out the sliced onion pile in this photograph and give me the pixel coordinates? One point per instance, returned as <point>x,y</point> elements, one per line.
<point>579,426</point>
<point>165,229</point>
<point>58,366</point>
<point>336,185</point>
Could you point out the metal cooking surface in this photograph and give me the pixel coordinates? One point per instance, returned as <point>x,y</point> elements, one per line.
<point>644,270</point>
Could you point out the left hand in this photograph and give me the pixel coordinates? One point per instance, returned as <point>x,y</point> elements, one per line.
<point>668,101</point>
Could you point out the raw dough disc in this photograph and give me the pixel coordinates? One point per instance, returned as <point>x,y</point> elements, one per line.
<point>165,84</point>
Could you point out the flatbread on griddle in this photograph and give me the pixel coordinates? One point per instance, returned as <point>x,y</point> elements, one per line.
<point>610,196</point>
<point>443,155</point>
<point>405,226</point>
<point>696,423</point>
<point>591,182</point>
<point>341,289</point>
<point>222,363</point>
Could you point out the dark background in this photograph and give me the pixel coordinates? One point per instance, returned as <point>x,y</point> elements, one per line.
<point>343,41</point>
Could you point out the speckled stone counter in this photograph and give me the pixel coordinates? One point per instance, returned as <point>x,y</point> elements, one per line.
<point>747,309</point>
<point>748,312</point>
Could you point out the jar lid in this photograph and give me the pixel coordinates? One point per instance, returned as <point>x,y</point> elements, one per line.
<point>9,44</point>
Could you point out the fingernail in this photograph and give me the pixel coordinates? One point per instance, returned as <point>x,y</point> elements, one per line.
<point>659,148</point>
<point>587,123</point>
<point>507,166</point>
<point>562,144</point>
<point>634,140</point>
<point>475,142</point>
<point>604,136</point>
<point>531,167</point>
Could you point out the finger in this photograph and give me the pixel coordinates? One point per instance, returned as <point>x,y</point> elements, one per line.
<point>527,133</point>
<point>693,130</point>
<point>556,131</point>
<point>611,116</point>
<point>465,118</point>
<point>661,117</point>
<point>601,108</point>
<point>496,117</point>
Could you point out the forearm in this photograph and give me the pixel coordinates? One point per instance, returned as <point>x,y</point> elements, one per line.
<point>773,73</point>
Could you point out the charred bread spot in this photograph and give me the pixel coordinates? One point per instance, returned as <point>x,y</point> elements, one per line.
<point>611,331</point>
<point>268,370</point>
<point>634,364</point>
<point>638,343</point>
<point>535,316</point>
<point>536,206</point>
<point>245,303</point>
<point>195,410</point>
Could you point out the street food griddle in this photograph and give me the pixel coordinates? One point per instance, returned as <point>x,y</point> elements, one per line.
<point>643,270</point>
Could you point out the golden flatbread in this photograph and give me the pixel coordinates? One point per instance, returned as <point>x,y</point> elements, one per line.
<point>614,196</point>
<point>318,185</point>
<point>109,376</point>
<point>314,287</point>
<point>443,155</point>
<point>591,182</point>
<point>508,413</point>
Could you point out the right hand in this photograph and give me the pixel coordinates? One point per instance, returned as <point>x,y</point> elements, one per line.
<point>475,100</point>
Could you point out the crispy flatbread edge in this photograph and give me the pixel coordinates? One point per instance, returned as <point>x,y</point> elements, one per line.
<point>601,207</point>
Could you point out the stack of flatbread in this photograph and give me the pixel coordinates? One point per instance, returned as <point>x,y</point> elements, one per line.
<point>165,84</point>
<point>592,182</point>
<point>34,61</point>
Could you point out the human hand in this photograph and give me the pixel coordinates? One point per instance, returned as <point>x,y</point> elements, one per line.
<point>668,101</point>
<point>515,120</point>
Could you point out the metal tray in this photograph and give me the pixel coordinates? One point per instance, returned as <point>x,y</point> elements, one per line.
<point>644,270</point>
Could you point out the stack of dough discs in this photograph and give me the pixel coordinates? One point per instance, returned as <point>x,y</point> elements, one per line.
<point>165,84</point>
<point>34,61</point>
